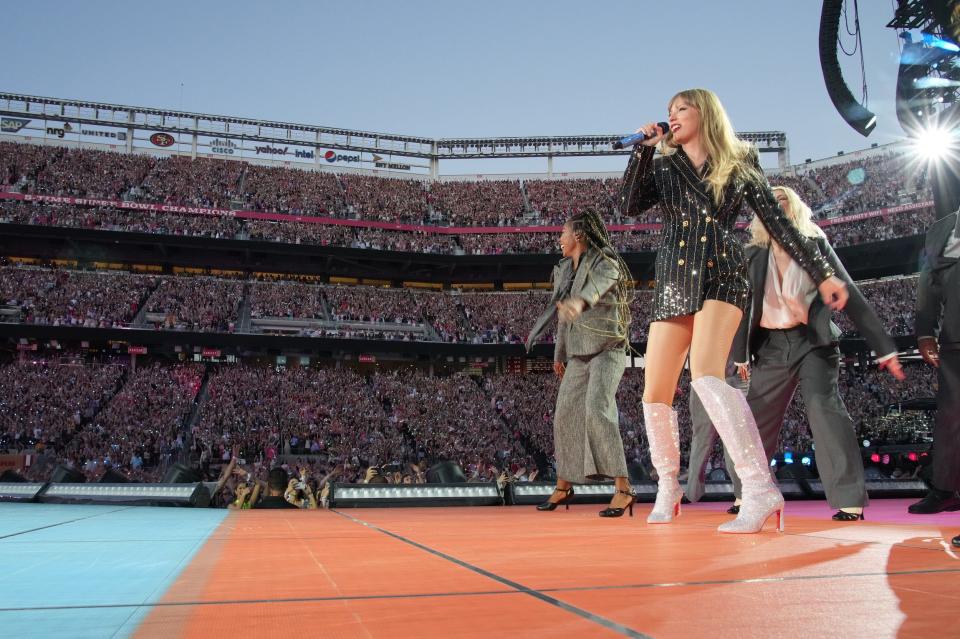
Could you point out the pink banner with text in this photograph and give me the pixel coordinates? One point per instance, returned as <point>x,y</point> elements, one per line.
<point>390,226</point>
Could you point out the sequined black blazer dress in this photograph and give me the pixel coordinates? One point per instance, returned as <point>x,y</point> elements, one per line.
<point>700,258</point>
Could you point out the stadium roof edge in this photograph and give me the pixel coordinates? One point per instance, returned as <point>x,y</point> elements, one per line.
<point>775,140</point>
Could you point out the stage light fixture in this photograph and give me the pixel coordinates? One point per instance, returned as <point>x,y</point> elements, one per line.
<point>20,491</point>
<point>528,493</point>
<point>380,495</point>
<point>933,41</point>
<point>876,487</point>
<point>901,488</point>
<point>855,114</point>
<point>195,494</point>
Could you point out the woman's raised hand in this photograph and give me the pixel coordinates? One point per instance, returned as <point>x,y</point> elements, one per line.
<point>653,132</point>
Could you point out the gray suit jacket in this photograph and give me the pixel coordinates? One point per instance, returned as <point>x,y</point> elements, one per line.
<point>823,330</point>
<point>938,291</point>
<point>596,329</point>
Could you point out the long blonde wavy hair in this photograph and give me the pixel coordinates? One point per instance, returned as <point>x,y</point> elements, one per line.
<point>729,156</point>
<point>797,212</point>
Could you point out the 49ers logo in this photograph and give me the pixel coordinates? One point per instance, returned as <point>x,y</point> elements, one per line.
<point>162,139</point>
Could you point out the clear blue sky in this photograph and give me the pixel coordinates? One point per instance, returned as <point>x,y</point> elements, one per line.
<point>450,68</point>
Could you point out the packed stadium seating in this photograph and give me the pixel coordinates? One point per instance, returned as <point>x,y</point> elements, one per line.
<point>838,190</point>
<point>99,415</point>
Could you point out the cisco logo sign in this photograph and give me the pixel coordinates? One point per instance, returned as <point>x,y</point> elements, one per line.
<point>331,156</point>
<point>223,147</point>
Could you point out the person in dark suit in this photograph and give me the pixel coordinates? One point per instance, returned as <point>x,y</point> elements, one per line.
<point>704,176</point>
<point>790,340</point>
<point>938,337</point>
<point>591,295</point>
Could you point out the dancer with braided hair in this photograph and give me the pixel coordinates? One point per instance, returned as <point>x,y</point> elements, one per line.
<point>702,289</point>
<point>591,296</point>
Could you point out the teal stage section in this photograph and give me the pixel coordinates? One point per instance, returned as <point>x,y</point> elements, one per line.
<point>91,571</point>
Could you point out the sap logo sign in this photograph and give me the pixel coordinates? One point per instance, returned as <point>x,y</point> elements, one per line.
<point>12,125</point>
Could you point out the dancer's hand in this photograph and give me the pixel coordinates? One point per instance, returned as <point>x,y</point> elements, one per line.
<point>929,351</point>
<point>653,132</point>
<point>834,293</point>
<point>570,309</point>
<point>559,369</point>
<point>744,371</point>
<point>893,366</point>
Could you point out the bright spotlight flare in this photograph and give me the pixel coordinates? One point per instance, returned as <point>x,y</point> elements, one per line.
<point>935,83</point>
<point>636,138</point>
<point>933,143</point>
<point>933,41</point>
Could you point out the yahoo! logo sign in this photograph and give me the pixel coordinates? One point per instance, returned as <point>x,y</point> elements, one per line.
<point>273,150</point>
<point>332,156</point>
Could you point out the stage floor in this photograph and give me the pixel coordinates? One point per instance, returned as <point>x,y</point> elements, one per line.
<point>108,571</point>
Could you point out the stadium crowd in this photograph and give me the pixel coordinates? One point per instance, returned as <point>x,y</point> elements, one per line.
<point>336,421</point>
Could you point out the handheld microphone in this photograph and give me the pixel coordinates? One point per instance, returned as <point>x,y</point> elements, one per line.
<point>637,138</point>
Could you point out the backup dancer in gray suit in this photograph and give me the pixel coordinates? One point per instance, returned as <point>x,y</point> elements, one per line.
<point>938,335</point>
<point>791,340</point>
<point>591,296</point>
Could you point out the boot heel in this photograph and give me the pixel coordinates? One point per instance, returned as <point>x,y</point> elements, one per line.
<point>663,435</point>
<point>730,413</point>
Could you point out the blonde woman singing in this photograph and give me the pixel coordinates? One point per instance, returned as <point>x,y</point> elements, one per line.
<point>702,289</point>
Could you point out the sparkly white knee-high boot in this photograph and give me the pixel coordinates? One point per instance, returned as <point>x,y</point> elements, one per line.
<point>663,434</point>
<point>730,414</point>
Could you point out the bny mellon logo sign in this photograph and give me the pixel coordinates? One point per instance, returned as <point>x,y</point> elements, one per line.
<point>380,164</point>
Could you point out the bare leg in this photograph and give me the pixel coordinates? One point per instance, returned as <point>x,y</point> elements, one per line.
<point>620,500</point>
<point>714,327</point>
<point>667,347</point>
<point>560,491</point>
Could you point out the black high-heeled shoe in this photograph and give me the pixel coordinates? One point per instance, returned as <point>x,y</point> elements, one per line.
<point>552,505</point>
<point>734,510</point>
<point>618,512</point>
<point>842,515</point>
